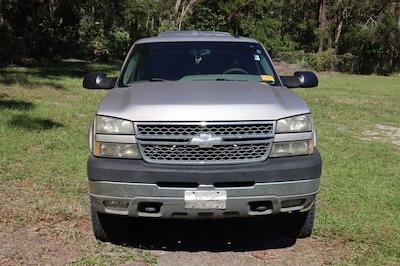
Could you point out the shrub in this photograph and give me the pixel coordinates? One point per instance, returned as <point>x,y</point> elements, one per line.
<point>119,42</point>
<point>325,61</point>
<point>346,63</point>
<point>293,57</point>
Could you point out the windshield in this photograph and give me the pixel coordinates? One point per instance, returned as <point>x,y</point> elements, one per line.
<point>167,61</point>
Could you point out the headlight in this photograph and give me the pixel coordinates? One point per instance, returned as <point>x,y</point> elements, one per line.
<point>298,123</point>
<point>109,125</point>
<point>292,148</point>
<point>117,150</point>
<point>113,126</point>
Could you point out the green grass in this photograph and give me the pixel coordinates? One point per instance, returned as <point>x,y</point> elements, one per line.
<point>360,196</point>
<point>44,115</point>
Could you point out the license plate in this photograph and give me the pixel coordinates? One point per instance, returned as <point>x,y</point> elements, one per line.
<point>205,200</point>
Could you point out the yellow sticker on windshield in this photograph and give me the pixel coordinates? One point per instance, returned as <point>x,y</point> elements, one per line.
<point>267,78</point>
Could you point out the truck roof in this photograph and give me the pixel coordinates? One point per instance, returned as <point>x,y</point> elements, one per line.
<point>194,35</point>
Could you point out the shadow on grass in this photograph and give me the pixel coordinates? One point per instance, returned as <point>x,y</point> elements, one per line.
<point>75,69</point>
<point>51,74</point>
<point>26,122</point>
<point>18,78</point>
<point>16,104</point>
<point>205,235</point>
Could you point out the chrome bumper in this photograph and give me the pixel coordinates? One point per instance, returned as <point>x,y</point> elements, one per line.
<point>127,199</point>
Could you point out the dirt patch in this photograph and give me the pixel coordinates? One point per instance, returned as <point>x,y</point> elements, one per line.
<point>232,242</point>
<point>33,230</point>
<point>384,133</point>
<point>37,228</point>
<point>208,258</point>
<point>30,203</point>
<point>312,251</point>
<point>40,233</point>
<point>33,246</point>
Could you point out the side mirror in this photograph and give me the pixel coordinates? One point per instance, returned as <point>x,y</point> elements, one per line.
<point>98,80</point>
<point>300,79</point>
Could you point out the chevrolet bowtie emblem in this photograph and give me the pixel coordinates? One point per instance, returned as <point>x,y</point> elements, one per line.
<point>205,140</point>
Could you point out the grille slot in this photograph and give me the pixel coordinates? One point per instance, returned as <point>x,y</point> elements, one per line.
<point>186,153</point>
<point>178,143</point>
<point>190,130</point>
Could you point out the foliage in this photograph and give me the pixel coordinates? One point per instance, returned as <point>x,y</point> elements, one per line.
<point>264,30</point>
<point>325,61</point>
<point>119,41</point>
<point>375,45</point>
<point>208,17</point>
<point>368,32</point>
<point>346,63</point>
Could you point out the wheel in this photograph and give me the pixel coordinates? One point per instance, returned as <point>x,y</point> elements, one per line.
<point>106,227</point>
<point>297,225</point>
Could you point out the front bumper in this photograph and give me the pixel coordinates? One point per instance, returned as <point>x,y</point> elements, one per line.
<point>271,170</point>
<point>170,201</point>
<point>281,184</point>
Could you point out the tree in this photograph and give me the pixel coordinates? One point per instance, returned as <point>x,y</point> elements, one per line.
<point>181,10</point>
<point>363,31</point>
<point>322,24</point>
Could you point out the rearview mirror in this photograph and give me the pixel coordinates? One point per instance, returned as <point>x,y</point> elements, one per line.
<point>98,80</point>
<point>300,79</point>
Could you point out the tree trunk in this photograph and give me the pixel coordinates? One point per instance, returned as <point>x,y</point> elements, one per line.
<point>184,11</point>
<point>180,18</point>
<point>338,33</point>
<point>177,6</point>
<point>322,24</point>
<point>397,13</point>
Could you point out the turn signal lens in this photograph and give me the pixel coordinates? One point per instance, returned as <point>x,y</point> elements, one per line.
<point>117,150</point>
<point>292,148</point>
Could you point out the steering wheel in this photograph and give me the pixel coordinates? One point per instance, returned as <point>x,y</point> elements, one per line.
<point>236,71</point>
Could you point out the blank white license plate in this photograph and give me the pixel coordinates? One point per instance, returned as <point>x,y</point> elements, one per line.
<point>205,199</point>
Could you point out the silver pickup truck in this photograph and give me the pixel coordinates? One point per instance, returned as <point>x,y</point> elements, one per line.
<point>200,125</point>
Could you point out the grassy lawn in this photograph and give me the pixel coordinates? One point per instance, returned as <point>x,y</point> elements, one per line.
<point>360,196</point>
<point>44,114</point>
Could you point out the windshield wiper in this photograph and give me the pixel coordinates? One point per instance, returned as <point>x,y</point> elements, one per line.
<point>158,79</point>
<point>147,80</point>
<point>220,79</point>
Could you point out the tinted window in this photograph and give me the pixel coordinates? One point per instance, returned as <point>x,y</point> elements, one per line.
<point>180,60</point>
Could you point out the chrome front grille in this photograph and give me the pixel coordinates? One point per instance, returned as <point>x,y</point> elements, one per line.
<point>184,130</point>
<point>182,143</point>
<point>195,154</point>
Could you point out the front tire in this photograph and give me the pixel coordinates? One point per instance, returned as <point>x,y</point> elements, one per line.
<point>297,225</point>
<point>106,227</point>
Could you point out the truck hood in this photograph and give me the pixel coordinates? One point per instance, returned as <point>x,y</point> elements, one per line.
<point>201,101</point>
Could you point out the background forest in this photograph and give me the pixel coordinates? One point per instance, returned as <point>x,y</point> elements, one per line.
<point>46,48</point>
<point>343,35</point>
